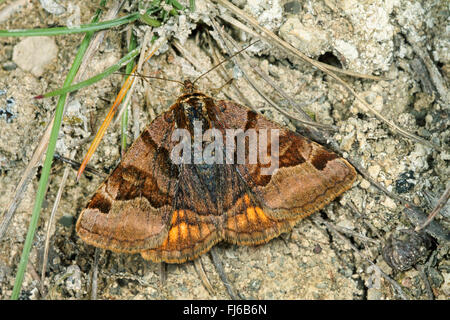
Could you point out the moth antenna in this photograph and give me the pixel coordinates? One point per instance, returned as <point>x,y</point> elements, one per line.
<point>225,60</point>
<point>136,74</point>
<point>75,165</point>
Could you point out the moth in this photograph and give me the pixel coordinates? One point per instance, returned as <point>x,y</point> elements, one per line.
<point>174,212</point>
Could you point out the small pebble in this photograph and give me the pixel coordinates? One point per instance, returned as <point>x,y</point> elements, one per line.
<point>53,7</point>
<point>73,282</point>
<point>322,285</point>
<point>405,182</point>
<point>292,7</point>
<point>255,285</point>
<point>317,249</point>
<point>374,171</point>
<point>374,294</point>
<point>310,40</point>
<point>389,203</point>
<point>364,184</point>
<point>67,221</point>
<point>9,66</point>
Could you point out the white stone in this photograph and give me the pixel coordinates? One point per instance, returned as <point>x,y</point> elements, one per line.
<point>309,40</point>
<point>389,203</point>
<point>348,50</point>
<point>347,141</point>
<point>374,171</point>
<point>34,54</point>
<point>53,7</point>
<point>418,157</point>
<point>364,184</point>
<point>268,12</point>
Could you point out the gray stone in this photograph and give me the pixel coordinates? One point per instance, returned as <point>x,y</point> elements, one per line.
<point>292,7</point>
<point>374,294</point>
<point>436,278</point>
<point>9,66</point>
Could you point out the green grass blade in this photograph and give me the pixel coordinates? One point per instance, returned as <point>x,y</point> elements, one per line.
<point>176,5</point>
<point>43,182</point>
<point>66,30</point>
<point>124,122</point>
<point>126,59</point>
<point>123,132</point>
<point>145,18</point>
<point>192,5</point>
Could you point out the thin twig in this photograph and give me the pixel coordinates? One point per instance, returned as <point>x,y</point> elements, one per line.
<point>423,274</point>
<point>34,273</point>
<point>97,40</point>
<point>202,275</point>
<point>441,203</point>
<point>435,229</point>
<point>27,175</point>
<point>142,56</point>
<point>432,201</point>
<point>219,267</point>
<point>435,76</point>
<point>50,221</point>
<point>356,234</point>
<point>94,283</point>
<point>188,56</point>
<point>238,24</point>
<point>224,74</point>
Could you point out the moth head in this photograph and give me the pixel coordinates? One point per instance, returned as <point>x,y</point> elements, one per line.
<point>189,86</point>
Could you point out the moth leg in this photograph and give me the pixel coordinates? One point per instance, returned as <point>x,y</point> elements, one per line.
<point>163,273</point>
<point>223,276</point>
<point>202,275</point>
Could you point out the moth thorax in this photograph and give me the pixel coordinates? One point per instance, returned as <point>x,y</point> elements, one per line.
<point>195,112</point>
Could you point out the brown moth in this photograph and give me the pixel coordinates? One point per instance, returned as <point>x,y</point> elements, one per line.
<point>176,212</point>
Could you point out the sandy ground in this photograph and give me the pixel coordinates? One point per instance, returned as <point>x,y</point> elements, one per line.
<point>373,37</point>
